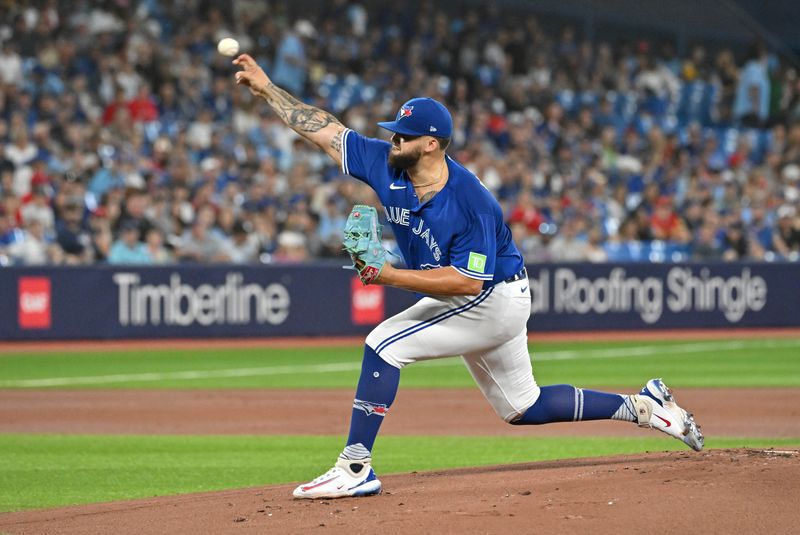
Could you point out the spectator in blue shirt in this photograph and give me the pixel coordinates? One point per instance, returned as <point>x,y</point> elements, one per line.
<point>127,249</point>
<point>291,62</point>
<point>752,93</point>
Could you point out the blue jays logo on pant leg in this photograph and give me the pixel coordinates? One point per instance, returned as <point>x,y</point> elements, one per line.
<point>371,408</point>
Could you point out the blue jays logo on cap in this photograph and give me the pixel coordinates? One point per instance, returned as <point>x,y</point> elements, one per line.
<point>421,117</point>
<point>405,111</point>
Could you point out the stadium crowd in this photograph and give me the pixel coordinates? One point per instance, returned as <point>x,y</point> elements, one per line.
<point>123,138</point>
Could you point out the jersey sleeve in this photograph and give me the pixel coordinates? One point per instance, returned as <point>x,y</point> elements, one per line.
<point>473,252</point>
<point>360,155</point>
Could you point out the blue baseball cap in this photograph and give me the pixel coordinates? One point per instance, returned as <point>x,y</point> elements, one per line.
<point>421,117</point>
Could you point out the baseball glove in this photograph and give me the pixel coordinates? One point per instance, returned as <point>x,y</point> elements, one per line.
<point>362,240</point>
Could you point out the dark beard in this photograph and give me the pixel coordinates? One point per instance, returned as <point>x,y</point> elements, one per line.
<point>404,161</point>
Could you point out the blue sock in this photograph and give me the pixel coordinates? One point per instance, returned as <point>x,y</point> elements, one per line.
<point>377,388</point>
<point>565,403</point>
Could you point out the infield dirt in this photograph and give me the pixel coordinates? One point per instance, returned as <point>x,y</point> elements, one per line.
<point>721,412</point>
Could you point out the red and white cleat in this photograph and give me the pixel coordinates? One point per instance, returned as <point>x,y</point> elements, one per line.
<point>656,408</point>
<point>346,478</point>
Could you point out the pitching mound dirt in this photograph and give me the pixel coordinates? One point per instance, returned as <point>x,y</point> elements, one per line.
<point>718,491</point>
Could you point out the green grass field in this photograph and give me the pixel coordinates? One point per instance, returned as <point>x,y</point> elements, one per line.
<point>51,470</point>
<point>710,363</point>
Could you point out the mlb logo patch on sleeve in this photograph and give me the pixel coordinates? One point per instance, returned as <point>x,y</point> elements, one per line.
<point>477,262</point>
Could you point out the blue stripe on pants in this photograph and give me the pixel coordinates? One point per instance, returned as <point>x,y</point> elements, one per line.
<point>433,321</point>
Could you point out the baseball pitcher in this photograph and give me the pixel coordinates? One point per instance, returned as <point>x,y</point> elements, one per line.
<point>461,256</point>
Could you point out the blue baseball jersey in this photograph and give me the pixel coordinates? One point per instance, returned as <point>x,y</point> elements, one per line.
<point>461,226</point>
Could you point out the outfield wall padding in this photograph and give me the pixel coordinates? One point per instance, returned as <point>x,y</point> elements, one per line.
<point>105,302</point>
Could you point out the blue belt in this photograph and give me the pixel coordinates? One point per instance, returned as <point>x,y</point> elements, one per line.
<point>521,274</point>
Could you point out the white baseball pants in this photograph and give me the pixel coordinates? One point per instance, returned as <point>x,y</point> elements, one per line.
<point>489,331</point>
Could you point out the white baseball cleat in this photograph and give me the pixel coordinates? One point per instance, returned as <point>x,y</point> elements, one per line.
<point>656,408</point>
<point>346,478</point>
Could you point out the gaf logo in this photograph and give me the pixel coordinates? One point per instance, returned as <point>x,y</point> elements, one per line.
<point>34,303</point>
<point>366,304</point>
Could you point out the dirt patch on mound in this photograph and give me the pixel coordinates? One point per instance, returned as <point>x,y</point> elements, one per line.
<point>721,412</point>
<point>718,491</point>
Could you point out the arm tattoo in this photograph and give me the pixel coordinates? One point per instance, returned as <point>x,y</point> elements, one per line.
<point>299,116</point>
<point>429,195</point>
<point>336,141</point>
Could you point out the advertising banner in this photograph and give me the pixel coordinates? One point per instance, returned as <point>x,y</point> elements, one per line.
<point>646,296</point>
<point>107,302</point>
<point>189,301</point>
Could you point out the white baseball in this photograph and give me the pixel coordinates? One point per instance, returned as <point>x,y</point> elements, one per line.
<point>228,46</point>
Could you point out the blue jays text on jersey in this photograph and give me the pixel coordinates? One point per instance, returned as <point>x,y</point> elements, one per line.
<point>461,226</point>
<point>402,216</point>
